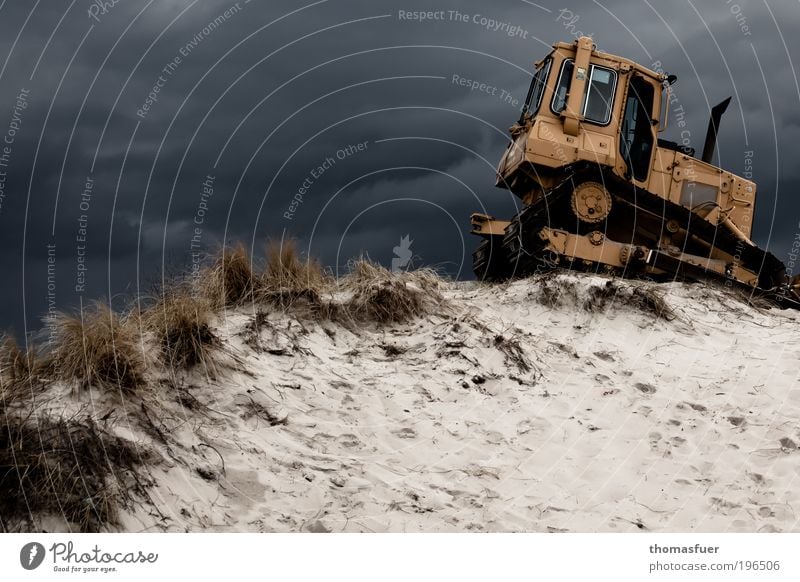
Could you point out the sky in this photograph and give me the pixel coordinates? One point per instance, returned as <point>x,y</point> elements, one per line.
<point>138,135</point>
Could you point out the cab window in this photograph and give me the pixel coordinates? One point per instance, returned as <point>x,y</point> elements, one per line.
<point>538,84</point>
<point>598,98</point>
<point>560,94</point>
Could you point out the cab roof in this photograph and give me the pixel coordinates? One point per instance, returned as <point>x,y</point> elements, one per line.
<point>625,63</point>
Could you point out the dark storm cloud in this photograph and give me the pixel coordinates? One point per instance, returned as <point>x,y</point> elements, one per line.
<point>263,96</point>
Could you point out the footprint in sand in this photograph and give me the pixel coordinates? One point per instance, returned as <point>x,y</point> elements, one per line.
<point>349,441</point>
<point>723,506</point>
<point>534,425</point>
<point>781,512</point>
<point>406,433</point>
<point>317,527</point>
<point>645,388</point>
<point>765,512</point>
<point>737,421</point>
<point>243,488</point>
<point>493,437</point>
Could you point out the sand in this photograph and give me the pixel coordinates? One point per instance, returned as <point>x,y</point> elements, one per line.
<point>497,414</point>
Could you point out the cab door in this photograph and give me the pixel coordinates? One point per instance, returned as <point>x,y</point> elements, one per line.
<point>637,133</point>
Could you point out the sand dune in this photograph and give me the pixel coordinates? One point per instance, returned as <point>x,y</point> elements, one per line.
<point>499,414</point>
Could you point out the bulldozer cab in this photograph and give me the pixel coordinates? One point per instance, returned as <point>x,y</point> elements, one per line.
<point>601,95</point>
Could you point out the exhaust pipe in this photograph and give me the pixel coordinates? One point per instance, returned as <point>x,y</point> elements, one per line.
<point>713,128</point>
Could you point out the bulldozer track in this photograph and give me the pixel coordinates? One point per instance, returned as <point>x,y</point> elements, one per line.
<point>524,253</point>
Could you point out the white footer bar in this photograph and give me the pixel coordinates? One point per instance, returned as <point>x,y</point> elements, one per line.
<point>380,557</point>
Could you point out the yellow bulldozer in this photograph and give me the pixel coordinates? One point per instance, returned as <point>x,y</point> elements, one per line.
<point>602,192</point>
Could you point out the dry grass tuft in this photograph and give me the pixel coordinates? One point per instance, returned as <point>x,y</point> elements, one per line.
<point>230,281</point>
<point>599,296</point>
<point>181,325</point>
<point>554,292</point>
<point>513,352</point>
<point>64,468</point>
<point>21,371</point>
<point>750,298</point>
<point>15,363</point>
<point>98,349</point>
<point>428,280</point>
<point>649,300</point>
<point>288,279</point>
<point>253,409</point>
<point>385,297</point>
<point>558,291</point>
<point>640,297</point>
<point>251,334</point>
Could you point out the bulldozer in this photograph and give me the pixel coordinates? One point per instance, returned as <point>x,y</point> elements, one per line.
<point>600,191</point>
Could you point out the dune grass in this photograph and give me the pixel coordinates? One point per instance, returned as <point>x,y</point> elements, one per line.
<point>288,278</point>
<point>382,296</point>
<point>21,371</point>
<point>180,322</point>
<point>231,280</point>
<point>64,468</point>
<point>98,348</point>
<point>640,297</point>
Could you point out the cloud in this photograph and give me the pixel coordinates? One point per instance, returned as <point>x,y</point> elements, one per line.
<point>261,95</point>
